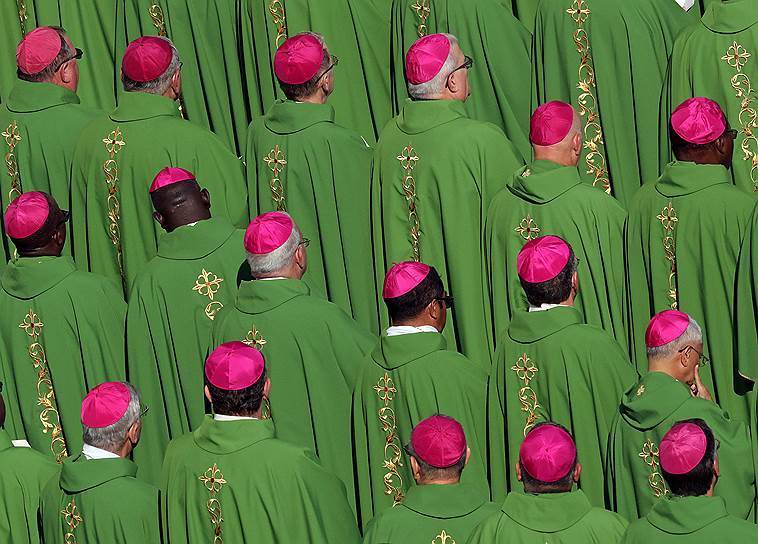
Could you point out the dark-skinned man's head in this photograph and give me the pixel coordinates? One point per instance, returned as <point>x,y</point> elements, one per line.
<point>36,225</point>
<point>178,199</point>
<point>415,296</point>
<point>700,133</point>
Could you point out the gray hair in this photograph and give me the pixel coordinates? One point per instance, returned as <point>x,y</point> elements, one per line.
<point>160,84</point>
<point>112,437</point>
<point>436,85</point>
<point>303,90</point>
<point>267,264</point>
<point>64,55</point>
<point>692,335</point>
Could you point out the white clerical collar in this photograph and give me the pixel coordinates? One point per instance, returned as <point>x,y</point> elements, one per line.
<point>91,452</point>
<point>544,307</point>
<point>275,278</point>
<point>406,329</point>
<point>224,417</point>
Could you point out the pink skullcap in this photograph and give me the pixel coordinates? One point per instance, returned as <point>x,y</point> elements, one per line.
<point>551,123</point>
<point>666,327</point>
<point>146,58</point>
<point>37,50</point>
<point>26,214</point>
<point>234,366</point>
<point>169,176</point>
<point>682,448</point>
<point>298,59</point>
<point>698,120</point>
<point>268,232</point>
<point>105,404</point>
<point>426,57</point>
<point>439,441</point>
<point>403,277</point>
<point>548,453</point>
<point>542,259</point>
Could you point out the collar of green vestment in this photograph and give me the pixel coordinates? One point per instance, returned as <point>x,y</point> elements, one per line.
<point>287,117</point>
<point>730,17</point>
<point>137,106</point>
<point>443,501</point>
<point>543,181</point>
<point>421,115</point>
<point>685,515</point>
<point>259,296</point>
<point>196,241</point>
<point>80,474</point>
<point>547,512</point>
<point>28,277</point>
<point>684,178</point>
<point>5,440</point>
<point>527,327</point>
<point>223,437</point>
<point>396,351</point>
<point>26,97</point>
<point>648,403</point>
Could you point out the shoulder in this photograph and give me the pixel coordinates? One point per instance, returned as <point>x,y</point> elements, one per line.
<point>591,197</point>
<point>610,520</point>
<point>638,531</point>
<point>95,284</point>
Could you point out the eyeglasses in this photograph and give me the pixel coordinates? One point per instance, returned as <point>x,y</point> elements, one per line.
<point>334,59</point>
<point>305,242</point>
<point>468,62</point>
<point>702,359</point>
<point>447,300</point>
<point>731,133</point>
<point>145,409</point>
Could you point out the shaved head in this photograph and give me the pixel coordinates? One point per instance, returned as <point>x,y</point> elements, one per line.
<point>180,204</point>
<point>566,152</point>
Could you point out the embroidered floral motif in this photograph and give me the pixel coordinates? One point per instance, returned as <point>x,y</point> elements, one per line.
<point>528,228</point>
<point>393,453</point>
<point>650,455</point>
<point>669,219</point>
<point>408,159</point>
<point>207,284</point>
<point>422,9</point>
<point>254,338</point>
<point>114,142</point>
<point>72,518</point>
<point>526,370</point>
<point>443,538</point>
<point>276,162</point>
<point>12,137</point>
<point>640,390</point>
<point>213,479</point>
<point>279,18</point>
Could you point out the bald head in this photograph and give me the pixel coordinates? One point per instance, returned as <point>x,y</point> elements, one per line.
<point>180,204</point>
<point>568,150</point>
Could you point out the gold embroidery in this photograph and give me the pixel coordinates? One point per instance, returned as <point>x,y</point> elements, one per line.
<point>12,137</point>
<point>213,479</point>
<point>526,173</point>
<point>159,22</point>
<point>393,454</point>
<point>114,142</point>
<point>593,131</point>
<point>408,159</point>
<point>528,228</point>
<point>49,416</point>
<point>279,18</point>
<point>525,370</point>
<point>254,339</point>
<point>422,9</point>
<point>443,538</point>
<point>207,284</point>
<point>72,518</point>
<point>641,390</point>
<point>737,56</point>
<point>276,162</point>
<point>22,16</point>
<point>668,220</point>
<point>649,455</point>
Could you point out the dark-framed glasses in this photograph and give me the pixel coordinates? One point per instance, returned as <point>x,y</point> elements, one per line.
<point>447,300</point>
<point>468,62</point>
<point>731,133</point>
<point>144,409</point>
<point>305,242</point>
<point>334,61</point>
<point>703,360</point>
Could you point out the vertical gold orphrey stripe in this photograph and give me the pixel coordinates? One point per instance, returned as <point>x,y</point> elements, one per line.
<point>525,370</point>
<point>22,16</point>
<point>159,22</point>
<point>114,142</point>
<point>422,9</point>
<point>213,480</point>
<point>650,455</point>
<point>669,219</point>
<point>279,18</point>
<point>408,159</point>
<point>12,137</point>
<point>255,339</point>
<point>72,518</point>
<point>276,162</point>
<point>393,453</point>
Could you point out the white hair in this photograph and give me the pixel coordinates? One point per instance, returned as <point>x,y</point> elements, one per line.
<point>267,264</point>
<point>435,86</point>
<point>112,437</point>
<point>160,84</point>
<point>692,335</point>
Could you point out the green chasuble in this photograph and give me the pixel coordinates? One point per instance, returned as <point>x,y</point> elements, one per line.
<point>718,58</point>
<point>546,198</point>
<point>608,58</point>
<point>683,238</point>
<point>648,410</point>
<point>550,366</point>
<point>62,334</point>
<point>406,379</point>
<point>435,172</point>
<point>431,513</point>
<point>171,309</point>
<point>39,124</point>
<point>314,353</point>
<point>24,475</point>
<point>690,519</point>
<point>233,480</point>
<point>300,161</point>
<point>557,518</point>
<point>98,501</point>
<point>355,32</point>
<point>115,161</point>
<point>17,18</point>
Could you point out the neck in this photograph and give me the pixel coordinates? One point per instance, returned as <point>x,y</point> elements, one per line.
<point>450,481</point>
<point>663,366</point>
<point>413,322</point>
<point>316,98</point>
<point>42,252</point>
<point>553,155</point>
<point>188,220</point>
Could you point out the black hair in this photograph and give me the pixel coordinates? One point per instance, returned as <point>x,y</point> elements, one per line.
<point>55,218</point>
<point>429,472</point>
<point>243,402</point>
<point>552,291</point>
<point>413,302</point>
<point>533,485</point>
<point>65,54</point>
<point>174,195</point>
<point>679,144</point>
<point>302,90</point>
<point>697,481</point>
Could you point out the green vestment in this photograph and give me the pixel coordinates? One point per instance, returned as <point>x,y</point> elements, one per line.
<point>9,39</point>
<point>608,58</point>
<point>499,81</point>
<point>24,475</point>
<point>406,379</point>
<point>683,238</point>
<point>233,480</point>
<point>115,161</point>
<point>314,353</point>
<point>300,161</point>
<point>431,513</point>
<point>648,410</point>
<point>548,199</point>
<point>557,518</point>
<point>435,172</point>
<point>171,310</point>
<point>62,334</point>
<point>690,519</point>
<point>550,366</point>
<point>97,501</point>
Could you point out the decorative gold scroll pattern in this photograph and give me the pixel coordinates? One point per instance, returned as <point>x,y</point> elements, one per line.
<point>668,220</point>
<point>528,228</point>
<point>159,22</point>
<point>443,538</point>
<point>12,137</point>
<point>525,370</point>
<point>22,16</point>
<point>49,416</point>
<point>114,142</point>
<point>737,56</point>
<point>393,453</point>
<point>408,159</point>
<point>72,518</point>
<point>649,455</point>
<point>593,131</point>
<point>422,9</point>
<point>207,284</point>
<point>279,18</point>
<point>255,339</point>
<point>213,480</point>
<point>276,162</point>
